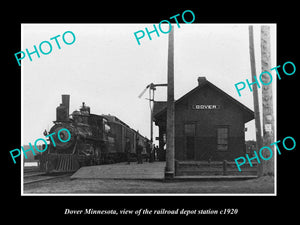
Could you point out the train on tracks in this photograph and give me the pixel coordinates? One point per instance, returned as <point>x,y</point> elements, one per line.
<point>95,139</point>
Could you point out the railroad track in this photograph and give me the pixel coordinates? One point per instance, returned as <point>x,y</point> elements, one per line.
<point>36,176</point>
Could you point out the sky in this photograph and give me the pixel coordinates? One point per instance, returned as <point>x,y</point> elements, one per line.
<point>107,69</point>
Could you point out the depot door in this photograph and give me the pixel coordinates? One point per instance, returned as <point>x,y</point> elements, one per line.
<point>189,132</point>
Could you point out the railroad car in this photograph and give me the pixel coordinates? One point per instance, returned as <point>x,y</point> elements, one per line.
<point>95,139</point>
<point>120,131</point>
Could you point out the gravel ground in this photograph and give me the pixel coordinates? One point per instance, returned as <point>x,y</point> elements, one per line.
<point>99,186</point>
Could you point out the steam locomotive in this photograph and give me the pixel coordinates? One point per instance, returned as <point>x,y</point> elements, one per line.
<point>95,140</point>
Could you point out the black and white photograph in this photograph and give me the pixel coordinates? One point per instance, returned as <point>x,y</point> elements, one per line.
<point>108,102</point>
<point>135,112</point>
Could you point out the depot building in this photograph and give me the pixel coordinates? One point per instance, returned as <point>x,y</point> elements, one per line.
<point>209,124</point>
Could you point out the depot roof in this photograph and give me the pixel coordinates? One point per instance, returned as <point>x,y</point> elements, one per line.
<point>160,107</point>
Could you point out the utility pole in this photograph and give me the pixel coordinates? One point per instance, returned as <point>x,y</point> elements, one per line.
<point>267,101</point>
<point>255,98</point>
<point>170,151</point>
<point>151,103</point>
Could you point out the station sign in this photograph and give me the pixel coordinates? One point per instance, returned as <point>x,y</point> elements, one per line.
<point>206,107</point>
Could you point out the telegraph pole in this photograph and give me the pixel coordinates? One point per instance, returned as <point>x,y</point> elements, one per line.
<point>151,102</point>
<point>170,151</point>
<point>255,97</point>
<point>267,101</point>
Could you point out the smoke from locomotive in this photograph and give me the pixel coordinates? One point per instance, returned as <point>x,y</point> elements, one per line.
<point>94,140</point>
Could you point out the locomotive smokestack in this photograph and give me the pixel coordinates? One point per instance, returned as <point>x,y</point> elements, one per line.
<point>62,111</point>
<point>66,102</point>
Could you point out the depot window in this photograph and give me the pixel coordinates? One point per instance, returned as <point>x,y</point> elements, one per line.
<point>222,138</point>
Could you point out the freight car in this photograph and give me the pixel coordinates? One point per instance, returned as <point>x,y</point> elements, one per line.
<point>95,139</point>
<point>120,132</point>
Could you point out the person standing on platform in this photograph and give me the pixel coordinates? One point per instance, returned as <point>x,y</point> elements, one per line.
<point>127,150</point>
<point>148,150</point>
<point>155,150</point>
<point>151,156</point>
<point>139,150</point>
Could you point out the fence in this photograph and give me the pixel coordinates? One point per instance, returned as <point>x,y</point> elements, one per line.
<point>205,168</point>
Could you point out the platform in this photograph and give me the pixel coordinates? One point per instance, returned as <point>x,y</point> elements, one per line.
<point>134,171</point>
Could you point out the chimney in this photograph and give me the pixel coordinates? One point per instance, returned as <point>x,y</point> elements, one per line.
<point>201,80</point>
